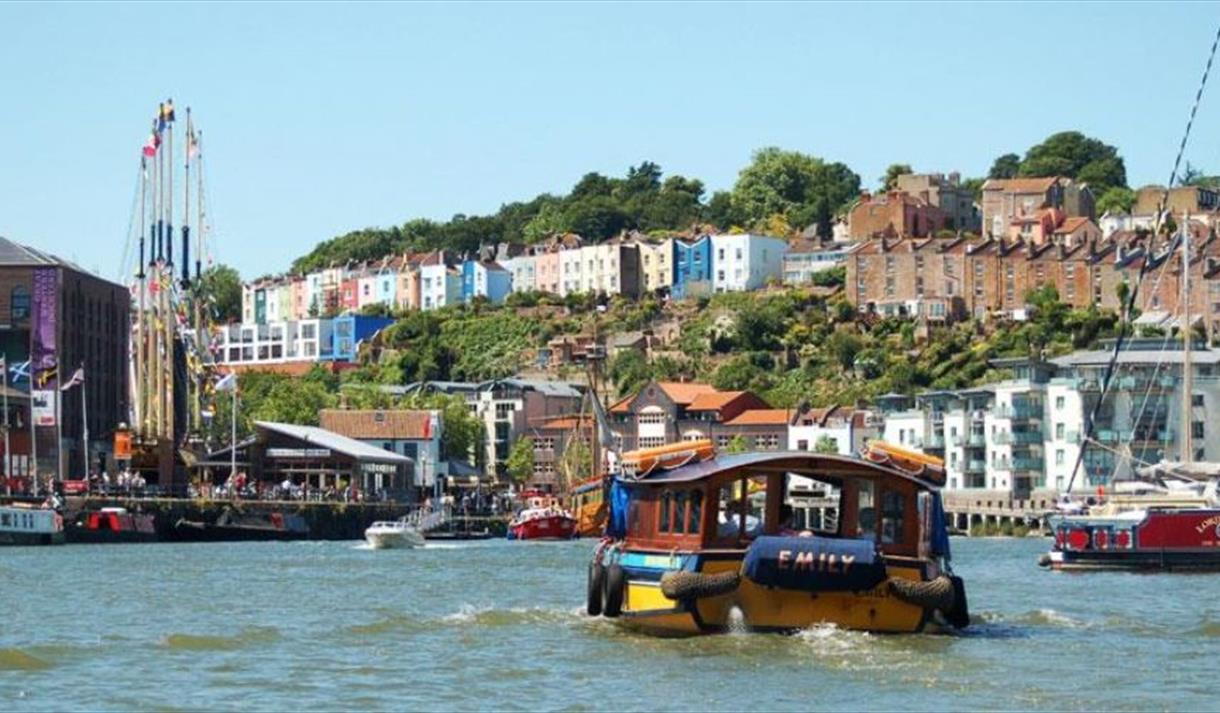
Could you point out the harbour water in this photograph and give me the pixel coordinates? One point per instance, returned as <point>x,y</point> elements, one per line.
<point>324,625</point>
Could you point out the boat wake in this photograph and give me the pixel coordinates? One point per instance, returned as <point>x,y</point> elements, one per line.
<point>13,659</point>
<point>253,636</point>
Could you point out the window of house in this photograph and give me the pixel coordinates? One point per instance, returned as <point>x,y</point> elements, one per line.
<point>1196,429</point>
<point>802,445</point>
<point>1196,399</point>
<point>20,303</point>
<point>1058,431</point>
<point>1059,456</point>
<point>1059,403</point>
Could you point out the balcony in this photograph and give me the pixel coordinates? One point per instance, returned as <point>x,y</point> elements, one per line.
<point>1107,436</point>
<point>1027,438</point>
<point>1027,464</point>
<point>977,440</point>
<point>935,441</point>
<point>976,466</point>
<point>1020,412</point>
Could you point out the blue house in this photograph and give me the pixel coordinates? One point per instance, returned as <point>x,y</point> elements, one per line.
<point>349,330</point>
<point>485,279</point>
<point>692,267</point>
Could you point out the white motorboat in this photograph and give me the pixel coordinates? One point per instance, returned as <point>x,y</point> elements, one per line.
<point>396,534</point>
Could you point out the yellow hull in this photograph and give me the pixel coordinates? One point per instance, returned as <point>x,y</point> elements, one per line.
<point>645,608</point>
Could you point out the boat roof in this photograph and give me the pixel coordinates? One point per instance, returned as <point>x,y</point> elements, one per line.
<point>795,460</point>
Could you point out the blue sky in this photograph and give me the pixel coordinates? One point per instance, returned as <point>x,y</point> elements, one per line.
<point>320,119</point>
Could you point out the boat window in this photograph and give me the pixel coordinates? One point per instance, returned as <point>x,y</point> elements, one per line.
<point>664,525</point>
<point>696,512</point>
<point>728,517</point>
<point>893,510</point>
<point>6,520</point>
<point>679,511</point>
<point>756,514</point>
<point>866,513</point>
<point>811,505</point>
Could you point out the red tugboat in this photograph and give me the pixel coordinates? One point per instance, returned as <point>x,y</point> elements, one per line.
<point>542,518</point>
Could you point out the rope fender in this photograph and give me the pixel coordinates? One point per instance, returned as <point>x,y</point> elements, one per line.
<point>934,594</point>
<point>680,585</point>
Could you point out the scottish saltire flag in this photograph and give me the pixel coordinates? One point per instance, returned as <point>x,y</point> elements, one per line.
<point>19,371</point>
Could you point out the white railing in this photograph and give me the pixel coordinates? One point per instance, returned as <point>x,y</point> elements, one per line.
<point>427,520</point>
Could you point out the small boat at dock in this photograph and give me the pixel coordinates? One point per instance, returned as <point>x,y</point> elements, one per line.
<point>233,526</point>
<point>28,524</point>
<point>726,540</point>
<point>112,525</point>
<point>394,535</point>
<point>541,518</point>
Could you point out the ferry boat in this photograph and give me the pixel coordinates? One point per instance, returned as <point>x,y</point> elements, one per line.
<point>112,525</point>
<point>393,534</point>
<point>233,526</point>
<point>23,524</point>
<point>719,541</point>
<point>542,518</point>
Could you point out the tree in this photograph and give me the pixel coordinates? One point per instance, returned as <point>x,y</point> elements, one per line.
<point>890,179</point>
<point>629,371</point>
<point>802,188</point>
<point>1005,166</point>
<point>826,444</point>
<point>220,289</point>
<point>1072,154</point>
<point>520,463</point>
<point>1116,200</point>
<point>737,445</point>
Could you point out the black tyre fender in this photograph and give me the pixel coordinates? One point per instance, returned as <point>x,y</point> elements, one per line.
<point>959,614</point>
<point>616,584</point>
<point>593,599</point>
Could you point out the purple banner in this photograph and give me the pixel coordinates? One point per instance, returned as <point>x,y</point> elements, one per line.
<point>43,352</point>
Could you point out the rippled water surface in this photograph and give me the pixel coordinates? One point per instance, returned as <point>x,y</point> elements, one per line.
<point>499,625</point>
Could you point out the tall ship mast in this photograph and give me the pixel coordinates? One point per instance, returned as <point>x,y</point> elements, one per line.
<point>167,362</point>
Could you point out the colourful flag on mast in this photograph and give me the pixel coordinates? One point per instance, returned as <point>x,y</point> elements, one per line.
<point>78,378</point>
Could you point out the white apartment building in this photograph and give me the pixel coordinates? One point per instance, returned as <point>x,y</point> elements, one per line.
<point>439,284</point>
<point>745,262</point>
<point>273,342</point>
<point>847,429</point>
<point>1028,432</point>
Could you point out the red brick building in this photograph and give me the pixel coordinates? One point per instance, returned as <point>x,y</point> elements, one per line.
<point>895,214</point>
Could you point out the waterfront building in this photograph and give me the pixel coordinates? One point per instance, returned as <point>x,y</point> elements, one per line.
<point>669,412</point>
<point>312,457</point>
<point>417,434</point>
<point>1025,433</point>
<point>755,429</point>
<point>834,429</point>
<point>746,261</point>
<point>55,317</point>
<point>508,408</point>
<point>550,440</point>
<point>692,267</point>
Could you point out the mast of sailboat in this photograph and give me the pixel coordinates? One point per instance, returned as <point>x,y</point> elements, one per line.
<point>1188,450</point>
